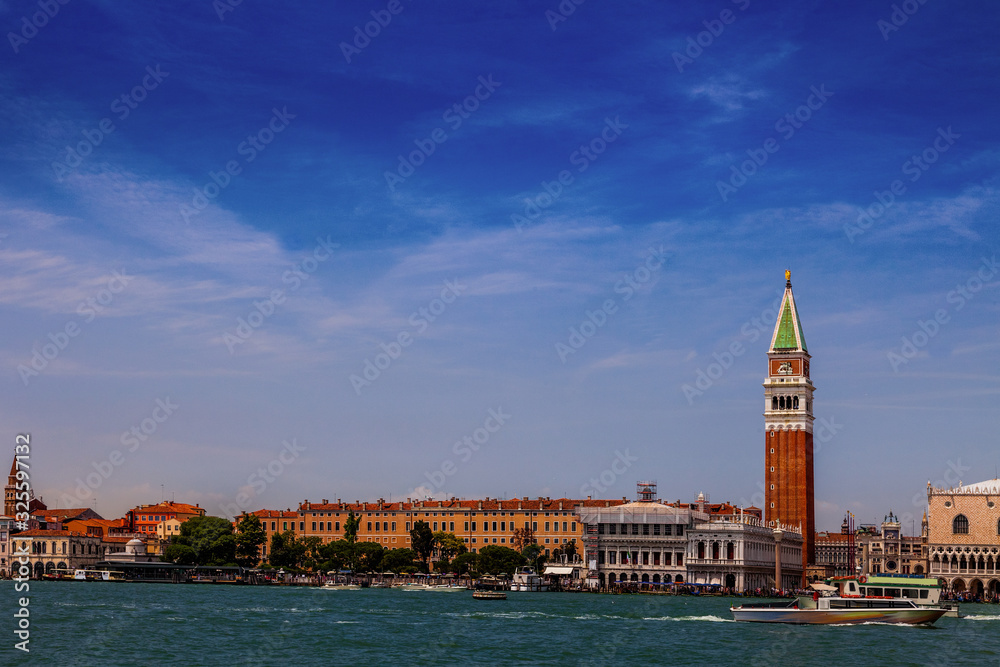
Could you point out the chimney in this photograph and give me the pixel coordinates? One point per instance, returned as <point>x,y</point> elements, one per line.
<point>560,504</point>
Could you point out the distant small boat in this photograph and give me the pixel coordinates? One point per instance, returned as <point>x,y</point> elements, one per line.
<point>341,584</point>
<point>446,588</point>
<point>489,595</point>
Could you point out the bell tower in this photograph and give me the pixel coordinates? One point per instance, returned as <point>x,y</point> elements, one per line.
<point>788,420</point>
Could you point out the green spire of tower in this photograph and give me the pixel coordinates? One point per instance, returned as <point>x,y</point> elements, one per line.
<point>788,334</point>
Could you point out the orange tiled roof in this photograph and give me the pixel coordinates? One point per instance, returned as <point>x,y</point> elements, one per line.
<point>169,507</point>
<point>37,532</point>
<point>64,514</point>
<point>275,514</point>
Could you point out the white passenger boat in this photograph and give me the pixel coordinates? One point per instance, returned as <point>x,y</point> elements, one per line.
<point>840,604</point>
<point>526,579</point>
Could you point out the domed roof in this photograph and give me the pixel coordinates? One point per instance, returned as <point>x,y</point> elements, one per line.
<point>135,542</point>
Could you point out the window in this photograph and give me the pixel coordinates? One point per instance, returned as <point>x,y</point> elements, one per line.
<point>534,525</point>
<point>284,525</point>
<point>451,525</point>
<point>466,526</point>
<point>572,526</point>
<point>473,526</point>
<point>394,526</point>
<point>564,526</point>
<point>314,525</point>
<point>611,528</point>
<point>960,526</point>
<point>338,526</point>
<point>680,560</point>
<point>546,526</point>
<point>369,526</point>
<point>503,526</point>
<point>611,557</point>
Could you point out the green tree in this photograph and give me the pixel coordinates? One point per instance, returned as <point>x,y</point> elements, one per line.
<point>286,551</point>
<point>368,556</point>
<point>494,559</point>
<point>351,527</point>
<point>531,553</point>
<point>449,545</point>
<point>522,538</point>
<point>465,563</point>
<point>395,560</point>
<point>211,538</point>
<point>569,548</point>
<point>311,548</point>
<point>422,539</point>
<point>249,538</point>
<point>181,554</point>
<point>336,555</point>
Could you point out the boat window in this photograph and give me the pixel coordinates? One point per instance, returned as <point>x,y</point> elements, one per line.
<point>923,594</point>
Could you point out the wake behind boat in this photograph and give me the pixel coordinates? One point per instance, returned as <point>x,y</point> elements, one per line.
<point>831,605</point>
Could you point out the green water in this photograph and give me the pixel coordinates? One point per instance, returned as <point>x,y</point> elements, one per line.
<point>93,623</point>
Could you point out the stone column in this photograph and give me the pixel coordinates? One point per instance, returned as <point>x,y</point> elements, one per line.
<point>777,558</point>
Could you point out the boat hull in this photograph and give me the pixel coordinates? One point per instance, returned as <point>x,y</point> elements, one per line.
<point>837,616</point>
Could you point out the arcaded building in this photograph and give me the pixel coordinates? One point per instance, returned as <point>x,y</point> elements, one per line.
<point>963,536</point>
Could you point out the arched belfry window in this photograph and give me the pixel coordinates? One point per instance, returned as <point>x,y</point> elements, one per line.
<point>781,402</point>
<point>960,526</point>
<point>795,402</point>
<point>774,402</point>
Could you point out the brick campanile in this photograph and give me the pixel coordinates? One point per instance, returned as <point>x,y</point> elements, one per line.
<point>788,419</point>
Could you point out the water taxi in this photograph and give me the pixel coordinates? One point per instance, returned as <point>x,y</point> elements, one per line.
<point>843,603</point>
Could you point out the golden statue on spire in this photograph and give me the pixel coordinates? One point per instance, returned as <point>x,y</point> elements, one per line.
<point>788,274</point>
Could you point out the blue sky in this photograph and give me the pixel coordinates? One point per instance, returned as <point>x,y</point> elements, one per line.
<point>475,185</point>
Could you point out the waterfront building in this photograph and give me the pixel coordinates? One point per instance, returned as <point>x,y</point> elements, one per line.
<point>61,517</point>
<point>478,523</point>
<point>963,537</point>
<point>788,419</point>
<point>167,529</point>
<point>6,526</point>
<point>57,549</point>
<point>834,553</point>
<point>739,552</point>
<point>640,542</point>
<point>145,518</point>
<point>887,551</point>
